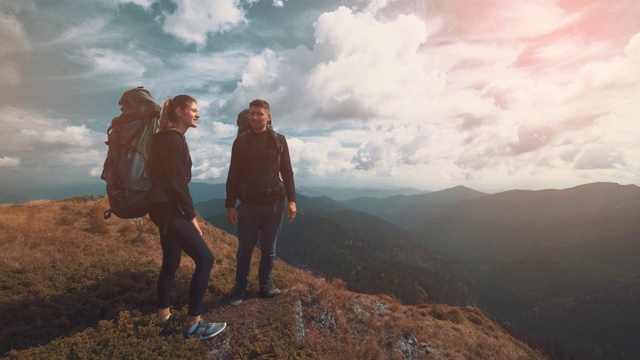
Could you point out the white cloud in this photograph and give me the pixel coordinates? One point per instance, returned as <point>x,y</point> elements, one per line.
<point>87,32</point>
<point>607,157</point>
<point>78,136</point>
<point>15,45</point>
<point>358,69</point>
<point>193,20</point>
<point>9,161</point>
<point>146,4</point>
<point>529,19</point>
<point>326,157</point>
<point>106,61</point>
<point>39,145</point>
<point>471,91</point>
<point>210,158</point>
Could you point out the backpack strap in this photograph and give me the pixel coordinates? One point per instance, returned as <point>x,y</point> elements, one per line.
<point>279,146</point>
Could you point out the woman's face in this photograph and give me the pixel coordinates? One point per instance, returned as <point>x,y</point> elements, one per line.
<point>188,116</point>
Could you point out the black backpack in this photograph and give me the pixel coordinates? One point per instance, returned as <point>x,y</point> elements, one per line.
<point>243,122</point>
<point>244,126</point>
<point>126,170</point>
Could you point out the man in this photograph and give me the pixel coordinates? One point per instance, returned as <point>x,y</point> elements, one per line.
<point>258,158</point>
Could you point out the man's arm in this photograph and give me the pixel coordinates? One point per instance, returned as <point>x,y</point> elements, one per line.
<point>232,185</point>
<point>286,170</point>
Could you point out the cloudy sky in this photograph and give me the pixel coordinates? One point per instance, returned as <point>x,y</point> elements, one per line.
<point>490,94</point>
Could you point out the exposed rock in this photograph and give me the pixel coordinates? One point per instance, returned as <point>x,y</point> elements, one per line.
<point>424,348</point>
<point>380,307</point>
<point>297,314</point>
<point>221,350</point>
<point>91,198</point>
<point>325,320</point>
<point>358,309</point>
<point>407,347</point>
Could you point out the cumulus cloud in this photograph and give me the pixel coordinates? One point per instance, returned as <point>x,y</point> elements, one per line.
<point>326,157</point>
<point>359,68</point>
<point>34,143</point>
<point>607,157</point>
<point>444,92</point>
<point>192,21</point>
<point>416,102</point>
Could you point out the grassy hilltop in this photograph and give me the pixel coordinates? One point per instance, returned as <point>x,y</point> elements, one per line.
<point>75,286</point>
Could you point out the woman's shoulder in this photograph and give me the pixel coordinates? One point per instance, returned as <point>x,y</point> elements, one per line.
<point>169,134</point>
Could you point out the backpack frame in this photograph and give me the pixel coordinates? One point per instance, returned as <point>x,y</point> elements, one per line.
<point>126,171</point>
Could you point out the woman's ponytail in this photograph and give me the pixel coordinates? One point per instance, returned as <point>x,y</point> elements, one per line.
<point>165,122</point>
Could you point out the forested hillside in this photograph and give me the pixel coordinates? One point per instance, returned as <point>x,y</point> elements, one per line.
<point>558,267</point>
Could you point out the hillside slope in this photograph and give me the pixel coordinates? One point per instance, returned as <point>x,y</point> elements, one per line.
<point>560,267</point>
<point>73,285</point>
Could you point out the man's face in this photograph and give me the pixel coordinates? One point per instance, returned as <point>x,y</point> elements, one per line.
<point>258,118</point>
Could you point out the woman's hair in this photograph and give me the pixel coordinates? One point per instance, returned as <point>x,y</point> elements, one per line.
<point>169,109</point>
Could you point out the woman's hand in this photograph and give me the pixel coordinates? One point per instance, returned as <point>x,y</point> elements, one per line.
<point>194,221</point>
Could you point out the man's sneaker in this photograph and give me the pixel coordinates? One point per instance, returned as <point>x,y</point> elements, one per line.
<point>204,330</point>
<point>237,297</point>
<point>269,291</point>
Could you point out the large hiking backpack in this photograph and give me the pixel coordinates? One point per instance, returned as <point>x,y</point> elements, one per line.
<point>126,170</point>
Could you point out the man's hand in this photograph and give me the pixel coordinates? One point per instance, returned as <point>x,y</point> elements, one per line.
<point>232,216</point>
<point>291,210</point>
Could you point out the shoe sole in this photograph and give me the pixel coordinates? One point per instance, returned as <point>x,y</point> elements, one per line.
<point>210,336</point>
<point>269,296</point>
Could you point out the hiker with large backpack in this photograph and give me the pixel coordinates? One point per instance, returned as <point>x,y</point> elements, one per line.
<point>126,171</point>
<point>259,157</point>
<point>174,214</point>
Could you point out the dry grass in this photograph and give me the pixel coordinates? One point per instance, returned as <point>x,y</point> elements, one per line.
<point>73,285</point>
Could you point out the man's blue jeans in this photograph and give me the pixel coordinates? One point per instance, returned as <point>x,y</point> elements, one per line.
<point>257,222</point>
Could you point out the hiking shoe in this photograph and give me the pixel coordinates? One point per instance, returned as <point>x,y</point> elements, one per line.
<point>269,291</point>
<point>237,297</point>
<point>204,330</point>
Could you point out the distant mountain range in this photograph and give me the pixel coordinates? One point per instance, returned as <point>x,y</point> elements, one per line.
<point>553,266</point>
<point>595,225</point>
<point>199,191</point>
<point>409,210</point>
<point>341,194</point>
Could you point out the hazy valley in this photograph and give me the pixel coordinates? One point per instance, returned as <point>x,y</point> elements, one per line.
<point>556,268</point>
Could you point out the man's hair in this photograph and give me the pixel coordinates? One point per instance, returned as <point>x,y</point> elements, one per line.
<point>261,104</point>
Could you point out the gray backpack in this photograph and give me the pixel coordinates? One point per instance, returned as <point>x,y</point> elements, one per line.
<point>126,169</point>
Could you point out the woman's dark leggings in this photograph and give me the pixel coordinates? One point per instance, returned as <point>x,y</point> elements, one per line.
<point>177,234</point>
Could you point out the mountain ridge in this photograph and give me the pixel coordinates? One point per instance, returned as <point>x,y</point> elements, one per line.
<point>75,284</point>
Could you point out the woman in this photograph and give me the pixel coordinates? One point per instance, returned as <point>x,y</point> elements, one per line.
<point>174,214</point>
